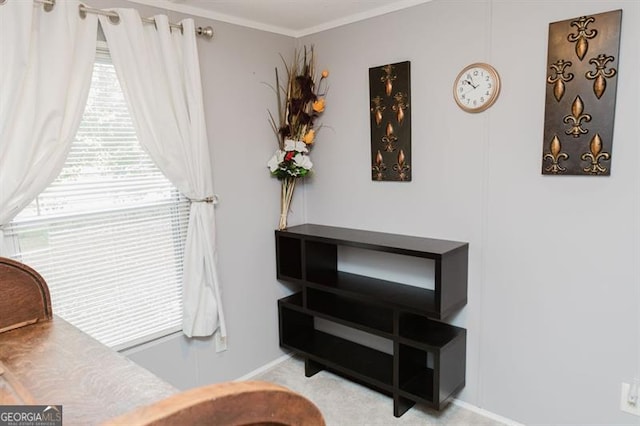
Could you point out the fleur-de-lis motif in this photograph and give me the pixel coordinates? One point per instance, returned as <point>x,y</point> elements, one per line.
<point>400,167</point>
<point>595,156</point>
<point>583,34</point>
<point>601,73</point>
<point>389,139</point>
<point>388,78</point>
<point>378,167</point>
<point>400,105</point>
<point>555,154</point>
<point>576,118</point>
<point>377,109</point>
<point>558,77</point>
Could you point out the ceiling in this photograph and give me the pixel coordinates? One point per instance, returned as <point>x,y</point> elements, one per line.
<point>295,18</point>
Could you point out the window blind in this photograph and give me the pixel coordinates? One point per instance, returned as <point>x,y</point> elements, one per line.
<point>108,234</point>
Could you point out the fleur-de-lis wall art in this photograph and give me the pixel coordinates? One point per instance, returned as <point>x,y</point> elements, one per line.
<point>576,118</point>
<point>555,155</point>
<point>388,78</point>
<point>377,108</point>
<point>595,156</point>
<point>558,78</point>
<point>390,122</point>
<point>401,168</point>
<point>601,73</point>
<point>399,106</point>
<point>582,60</point>
<point>389,139</point>
<point>379,168</point>
<point>582,35</point>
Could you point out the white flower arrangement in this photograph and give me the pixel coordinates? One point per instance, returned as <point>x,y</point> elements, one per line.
<point>294,161</point>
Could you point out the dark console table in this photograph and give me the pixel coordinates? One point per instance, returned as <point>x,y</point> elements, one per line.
<point>429,356</point>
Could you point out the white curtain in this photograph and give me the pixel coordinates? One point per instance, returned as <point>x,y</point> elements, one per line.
<point>159,71</point>
<point>46,60</point>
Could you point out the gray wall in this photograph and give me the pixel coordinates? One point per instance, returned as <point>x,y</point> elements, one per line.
<point>554,293</point>
<point>553,313</point>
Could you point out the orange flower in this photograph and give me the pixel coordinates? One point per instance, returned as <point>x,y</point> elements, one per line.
<point>309,137</point>
<point>325,73</point>
<point>318,106</point>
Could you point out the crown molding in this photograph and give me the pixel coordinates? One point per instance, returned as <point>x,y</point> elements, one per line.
<point>205,13</point>
<point>350,19</point>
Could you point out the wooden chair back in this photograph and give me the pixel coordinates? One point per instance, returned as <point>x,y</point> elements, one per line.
<point>24,296</point>
<point>228,404</point>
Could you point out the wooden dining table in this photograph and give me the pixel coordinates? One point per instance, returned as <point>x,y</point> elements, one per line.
<point>54,363</point>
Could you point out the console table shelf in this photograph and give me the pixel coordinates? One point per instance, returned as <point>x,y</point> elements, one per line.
<point>428,360</point>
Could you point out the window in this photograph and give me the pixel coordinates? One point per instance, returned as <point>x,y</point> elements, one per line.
<point>108,234</point>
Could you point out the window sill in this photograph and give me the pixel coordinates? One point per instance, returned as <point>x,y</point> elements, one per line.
<point>143,343</point>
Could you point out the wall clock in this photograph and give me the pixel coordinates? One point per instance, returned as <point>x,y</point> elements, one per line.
<point>477,87</point>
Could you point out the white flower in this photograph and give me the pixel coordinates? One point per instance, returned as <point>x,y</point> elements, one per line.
<point>275,161</point>
<point>303,161</point>
<point>298,146</point>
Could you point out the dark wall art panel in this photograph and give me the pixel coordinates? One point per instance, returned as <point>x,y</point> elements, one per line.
<point>389,94</point>
<point>582,77</point>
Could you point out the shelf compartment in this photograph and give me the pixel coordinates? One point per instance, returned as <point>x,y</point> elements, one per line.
<point>432,384</point>
<point>370,318</point>
<point>426,333</point>
<point>416,379</point>
<point>419,387</point>
<point>366,364</point>
<point>289,255</point>
<point>343,311</point>
<point>452,368</point>
<point>321,259</point>
<point>292,322</point>
<point>373,290</point>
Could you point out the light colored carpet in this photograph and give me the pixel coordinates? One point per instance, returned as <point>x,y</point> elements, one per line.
<point>344,403</point>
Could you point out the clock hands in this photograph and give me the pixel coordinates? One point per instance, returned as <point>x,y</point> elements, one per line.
<point>470,83</point>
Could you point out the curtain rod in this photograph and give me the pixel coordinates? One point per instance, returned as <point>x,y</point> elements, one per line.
<point>48,5</point>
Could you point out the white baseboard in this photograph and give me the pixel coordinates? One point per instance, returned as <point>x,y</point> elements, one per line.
<point>486,413</point>
<point>264,368</point>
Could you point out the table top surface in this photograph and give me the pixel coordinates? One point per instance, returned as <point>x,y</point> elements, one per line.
<point>60,365</point>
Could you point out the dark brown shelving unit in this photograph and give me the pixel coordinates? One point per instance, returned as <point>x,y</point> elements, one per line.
<point>429,356</point>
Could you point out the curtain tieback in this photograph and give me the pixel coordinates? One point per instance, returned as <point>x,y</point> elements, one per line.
<point>209,200</point>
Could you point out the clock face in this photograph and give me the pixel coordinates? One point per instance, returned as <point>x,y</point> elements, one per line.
<point>477,87</point>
